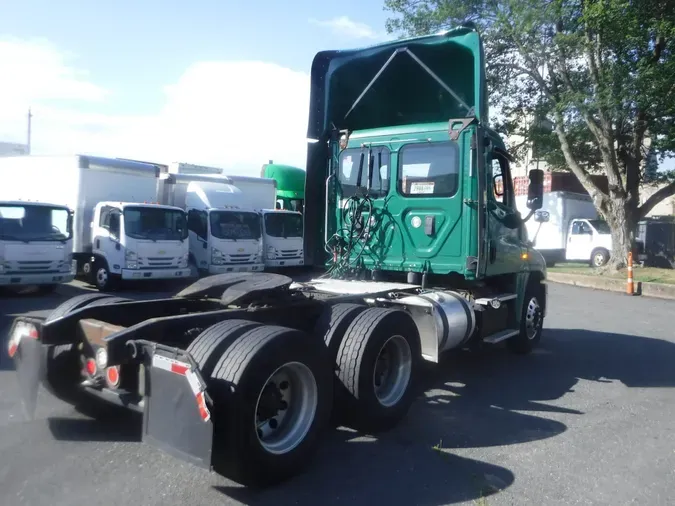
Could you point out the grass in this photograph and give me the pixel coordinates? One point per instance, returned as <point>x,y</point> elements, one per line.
<point>644,274</point>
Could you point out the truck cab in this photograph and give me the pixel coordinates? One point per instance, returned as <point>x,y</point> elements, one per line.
<point>137,241</point>
<point>36,244</point>
<point>282,238</point>
<point>589,241</point>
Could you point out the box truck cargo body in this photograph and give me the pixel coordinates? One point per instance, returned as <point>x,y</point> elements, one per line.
<point>118,233</point>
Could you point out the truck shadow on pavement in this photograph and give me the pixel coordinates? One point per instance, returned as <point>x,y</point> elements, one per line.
<point>471,400</point>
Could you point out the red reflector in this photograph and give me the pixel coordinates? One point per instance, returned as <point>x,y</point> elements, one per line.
<point>12,349</point>
<point>91,366</point>
<point>33,333</point>
<point>203,410</point>
<point>113,376</point>
<point>179,368</point>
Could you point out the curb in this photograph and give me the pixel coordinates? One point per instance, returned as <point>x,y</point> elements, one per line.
<point>657,290</point>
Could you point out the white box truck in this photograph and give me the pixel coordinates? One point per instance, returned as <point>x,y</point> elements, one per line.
<point>118,233</point>
<point>282,229</point>
<point>36,238</point>
<point>225,235</point>
<point>574,231</point>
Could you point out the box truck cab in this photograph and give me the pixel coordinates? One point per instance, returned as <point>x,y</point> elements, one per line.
<point>133,241</point>
<point>224,234</point>
<point>282,229</point>
<point>589,241</point>
<point>36,244</point>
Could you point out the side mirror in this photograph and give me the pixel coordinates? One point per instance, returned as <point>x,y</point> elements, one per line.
<point>535,190</point>
<point>542,216</point>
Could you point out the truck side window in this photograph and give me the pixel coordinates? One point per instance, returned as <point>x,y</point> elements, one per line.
<point>580,228</point>
<point>114,224</point>
<point>502,184</point>
<point>104,217</point>
<point>429,169</point>
<point>197,222</point>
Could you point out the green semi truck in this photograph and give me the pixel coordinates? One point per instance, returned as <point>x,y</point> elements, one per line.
<point>290,185</point>
<point>410,218</point>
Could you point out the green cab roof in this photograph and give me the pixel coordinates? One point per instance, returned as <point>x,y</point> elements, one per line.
<point>409,81</point>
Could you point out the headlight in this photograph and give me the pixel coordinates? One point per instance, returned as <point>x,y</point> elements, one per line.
<point>271,252</point>
<point>217,256</point>
<point>131,259</point>
<point>183,261</point>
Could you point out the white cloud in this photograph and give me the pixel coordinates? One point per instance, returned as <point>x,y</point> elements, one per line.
<point>232,114</point>
<point>344,26</point>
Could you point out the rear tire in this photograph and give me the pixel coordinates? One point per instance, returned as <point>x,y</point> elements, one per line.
<point>249,395</point>
<point>377,391</point>
<point>333,324</point>
<point>209,346</point>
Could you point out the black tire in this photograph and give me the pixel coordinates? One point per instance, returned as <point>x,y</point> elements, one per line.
<point>333,324</point>
<point>236,384</point>
<point>103,279</point>
<point>599,257</point>
<point>531,320</point>
<point>356,362</point>
<point>209,346</point>
<point>73,304</point>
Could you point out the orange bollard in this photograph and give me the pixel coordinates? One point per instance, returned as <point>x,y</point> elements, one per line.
<point>629,268</point>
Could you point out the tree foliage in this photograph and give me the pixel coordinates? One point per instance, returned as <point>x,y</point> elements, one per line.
<point>601,71</point>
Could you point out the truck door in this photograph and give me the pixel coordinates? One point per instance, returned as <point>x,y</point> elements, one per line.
<point>579,241</point>
<point>504,245</point>
<point>106,238</point>
<point>198,238</point>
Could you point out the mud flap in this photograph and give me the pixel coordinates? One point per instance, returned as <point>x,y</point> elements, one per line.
<point>176,419</point>
<point>30,362</point>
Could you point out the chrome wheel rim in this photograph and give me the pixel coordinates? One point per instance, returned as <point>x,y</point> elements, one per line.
<point>286,408</point>
<point>102,276</point>
<point>392,372</point>
<point>598,259</point>
<point>532,318</point>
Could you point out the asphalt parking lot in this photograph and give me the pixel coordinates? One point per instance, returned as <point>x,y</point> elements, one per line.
<point>587,419</point>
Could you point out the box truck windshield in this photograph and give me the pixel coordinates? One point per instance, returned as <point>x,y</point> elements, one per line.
<point>34,223</point>
<point>155,224</point>
<point>235,225</point>
<point>283,225</point>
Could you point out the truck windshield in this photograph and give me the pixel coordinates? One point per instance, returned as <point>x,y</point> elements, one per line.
<point>601,226</point>
<point>156,224</point>
<point>34,223</point>
<point>283,225</point>
<point>235,225</point>
<point>350,160</point>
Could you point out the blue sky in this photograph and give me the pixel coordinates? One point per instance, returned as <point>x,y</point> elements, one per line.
<point>170,81</point>
<point>135,48</point>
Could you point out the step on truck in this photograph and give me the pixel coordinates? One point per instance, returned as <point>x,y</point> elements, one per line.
<point>119,233</point>
<point>36,241</point>
<point>243,373</point>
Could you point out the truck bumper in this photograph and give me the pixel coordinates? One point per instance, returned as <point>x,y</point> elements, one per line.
<point>222,269</point>
<point>131,274</point>
<point>285,262</point>
<point>44,278</point>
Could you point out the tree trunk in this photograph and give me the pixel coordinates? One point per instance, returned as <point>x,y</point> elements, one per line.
<point>621,220</point>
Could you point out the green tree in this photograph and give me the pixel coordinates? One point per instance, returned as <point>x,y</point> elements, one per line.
<point>602,71</point>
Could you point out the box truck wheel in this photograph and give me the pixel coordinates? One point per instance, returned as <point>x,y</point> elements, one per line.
<point>377,367</point>
<point>599,257</point>
<point>272,391</point>
<point>104,280</point>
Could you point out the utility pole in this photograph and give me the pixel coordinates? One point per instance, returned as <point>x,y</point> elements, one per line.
<point>30,117</point>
